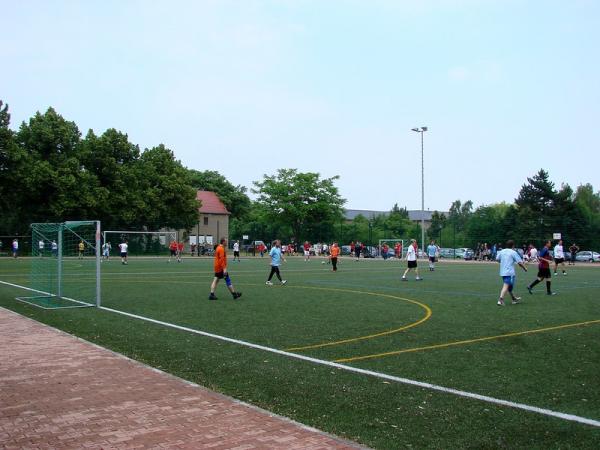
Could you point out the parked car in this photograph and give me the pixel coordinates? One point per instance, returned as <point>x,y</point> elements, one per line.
<point>587,256</point>
<point>464,253</point>
<point>447,253</point>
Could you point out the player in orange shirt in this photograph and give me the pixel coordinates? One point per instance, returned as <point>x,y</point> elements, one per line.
<point>334,252</point>
<point>220,267</point>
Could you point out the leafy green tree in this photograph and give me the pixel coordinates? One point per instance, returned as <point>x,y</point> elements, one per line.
<point>11,163</point>
<point>233,197</point>
<point>165,195</point>
<point>55,185</point>
<point>535,203</point>
<point>111,159</point>
<point>438,221</point>
<point>397,223</point>
<point>483,226</point>
<point>299,201</point>
<point>459,214</point>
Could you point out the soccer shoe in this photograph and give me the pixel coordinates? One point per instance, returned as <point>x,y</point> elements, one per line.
<point>404,279</point>
<point>418,279</point>
<point>564,273</point>
<point>283,281</point>
<point>212,297</point>
<point>500,302</point>
<point>555,273</point>
<point>237,295</point>
<point>550,293</point>
<point>529,290</point>
<point>269,283</point>
<point>516,300</point>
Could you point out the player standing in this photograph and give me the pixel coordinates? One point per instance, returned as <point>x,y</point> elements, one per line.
<point>172,250</point>
<point>81,249</point>
<point>236,250</point>
<point>179,251</point>
<point>334,253</point>
<point>123,249</point>
<point>432,250</point>
<point>559,257</point>
<point>543,269</point>
<point>411,259</point>
<point>220,268</point>
<point>507,258</point>
<point>15,248</point>
<point>106,250</point>
<point>306,247</point>
<point>41,246</point>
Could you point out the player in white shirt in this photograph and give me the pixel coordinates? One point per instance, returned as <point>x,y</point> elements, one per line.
<point>106,250</point>
<point>236,250</point>
<point>411,259</point>
<point>123,249</point>
<point>41,246</point>
<point>559,257</point>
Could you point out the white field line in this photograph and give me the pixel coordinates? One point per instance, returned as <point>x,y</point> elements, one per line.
<point>383,376</point>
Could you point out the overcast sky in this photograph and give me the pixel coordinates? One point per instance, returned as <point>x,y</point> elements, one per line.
<point>247,87</point>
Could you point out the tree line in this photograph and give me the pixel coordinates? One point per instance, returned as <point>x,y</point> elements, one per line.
<point>49,172</point>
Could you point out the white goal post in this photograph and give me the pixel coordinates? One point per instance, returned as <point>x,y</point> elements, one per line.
<point>65,264</point>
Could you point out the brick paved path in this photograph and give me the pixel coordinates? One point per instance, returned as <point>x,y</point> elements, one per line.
<point>57,391</point>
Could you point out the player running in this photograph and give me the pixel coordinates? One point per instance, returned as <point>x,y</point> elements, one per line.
<point>544,269</point>
<point>507,258</point>
<point>220,268</point>
<point>276,257</point>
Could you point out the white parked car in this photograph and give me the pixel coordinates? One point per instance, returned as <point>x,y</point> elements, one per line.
<point>587,256</point>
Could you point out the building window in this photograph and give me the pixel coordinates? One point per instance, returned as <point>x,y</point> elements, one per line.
<point>205,220</point>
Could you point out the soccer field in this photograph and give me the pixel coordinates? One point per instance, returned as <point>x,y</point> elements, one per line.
<point>358,353</point>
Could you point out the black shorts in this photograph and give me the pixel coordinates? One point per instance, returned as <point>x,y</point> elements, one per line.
<point>559,260</point>
<point>123,254</point>
<point>173,252</point>
<point>544,272</point>
<point>220,275</point>
<point>236,254</point>
<point>432,259</point>
<point>412,264</point>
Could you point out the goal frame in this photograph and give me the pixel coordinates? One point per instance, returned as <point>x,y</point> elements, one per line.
<point>61,227</point>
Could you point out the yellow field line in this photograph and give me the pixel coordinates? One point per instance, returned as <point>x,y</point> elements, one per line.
<point>371,336</point>
<point>469,341</point>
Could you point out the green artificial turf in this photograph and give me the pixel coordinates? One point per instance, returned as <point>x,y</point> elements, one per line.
<point>445,330</point>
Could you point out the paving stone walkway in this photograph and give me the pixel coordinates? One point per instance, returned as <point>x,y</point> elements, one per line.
<point>57,391</point>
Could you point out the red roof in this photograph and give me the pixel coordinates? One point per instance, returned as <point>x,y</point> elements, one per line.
<point>210,203</point>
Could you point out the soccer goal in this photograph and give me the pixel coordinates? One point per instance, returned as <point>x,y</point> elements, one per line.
<point>65,265</point>
<point>392,244</point>
<point>141,243</point>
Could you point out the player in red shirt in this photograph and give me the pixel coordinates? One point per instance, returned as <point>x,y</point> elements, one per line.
<point>544,259</point>
<point>172,250</point>
<point>306,248</point>
<point>179,251</point>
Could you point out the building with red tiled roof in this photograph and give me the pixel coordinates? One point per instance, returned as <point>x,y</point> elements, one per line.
<point>213,221</point>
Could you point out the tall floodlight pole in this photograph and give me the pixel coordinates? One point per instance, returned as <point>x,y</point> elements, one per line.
<point>422,130</point>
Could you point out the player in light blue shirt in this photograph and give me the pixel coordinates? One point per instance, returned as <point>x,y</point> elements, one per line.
<point>432,251</point>
<point>276,257</point>
<point>508,258</point>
